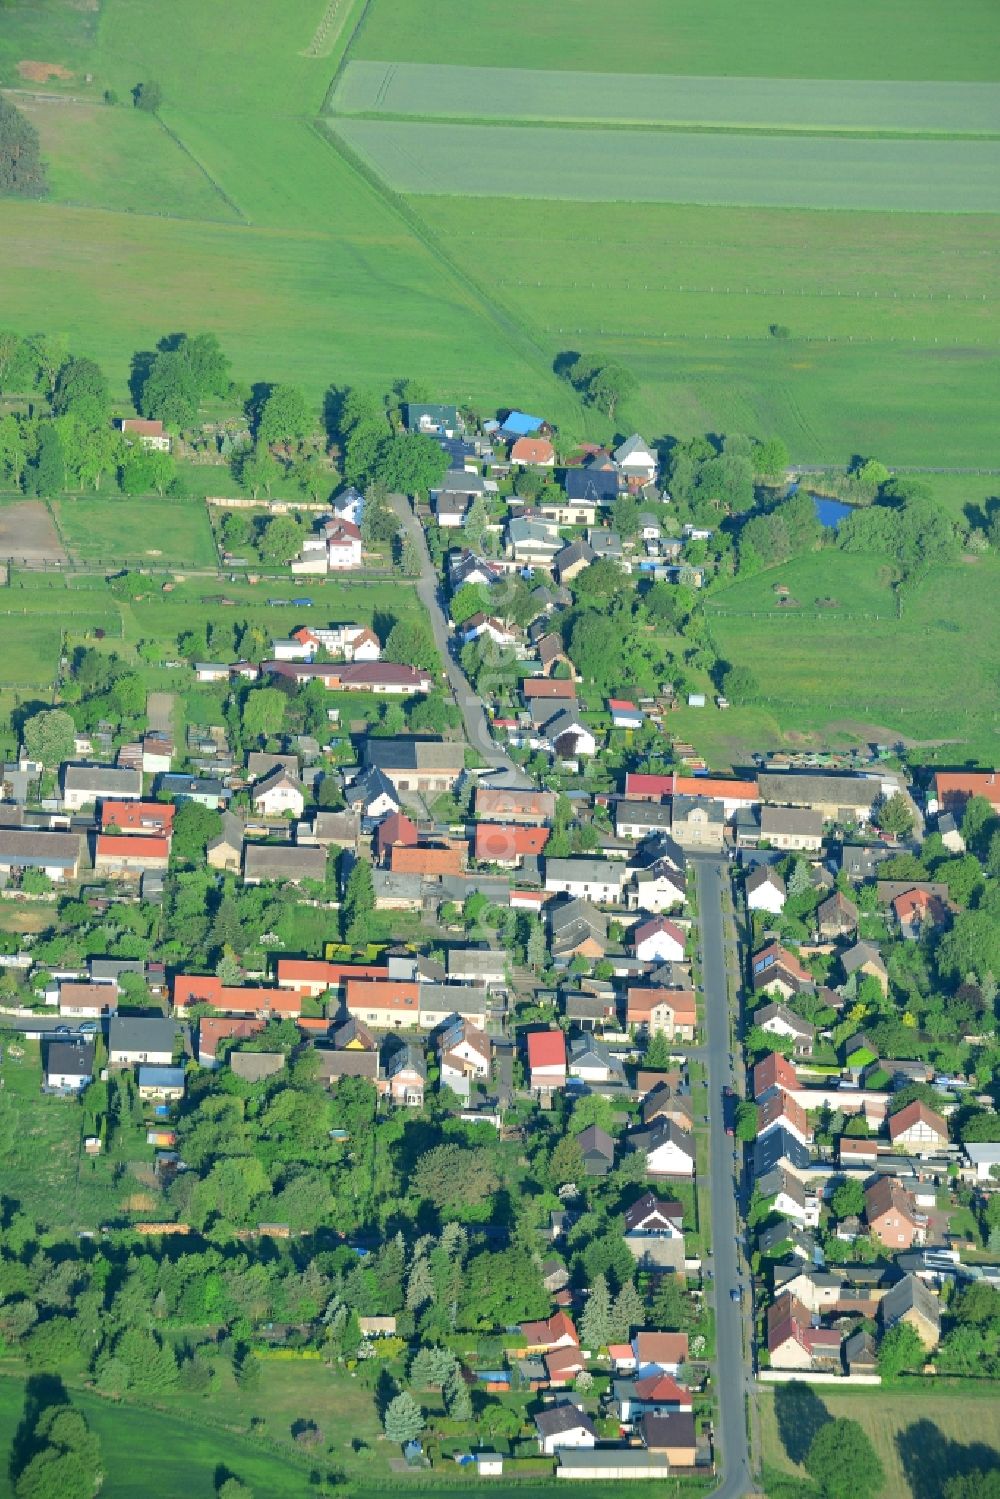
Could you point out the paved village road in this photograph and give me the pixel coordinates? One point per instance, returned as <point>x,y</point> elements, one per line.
<point>733,1371</point>
<point>429,591</point>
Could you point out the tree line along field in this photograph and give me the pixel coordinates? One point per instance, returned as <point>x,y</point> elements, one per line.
<point>618,167</point>
<point>441,91</point>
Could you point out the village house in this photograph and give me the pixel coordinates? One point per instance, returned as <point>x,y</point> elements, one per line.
<point>82,785</point>
<point>773,1071</point>
<point>394,831</point>
<point>497,804</point>
<point>577,929</point>
<point>465,1054</point>
<point>917,911</point>
<point>86,1001</point>
<point>641,819</point>
<point>225,850</point>
<point>406,1074</point>
<point>278,795</point>
<point>792,828</point>
<point>659,888</point>
<point>912,1302</point>
<point>918,1130</point>
<point>556,1331</point>
<point>138,819</point>
<point>56,855</point>
<point>671,1436</point>
<point>659,1353</point>
<point>793,1342</point>
<point>546,1060</point>
<point>954,788</point>
<point>892,1215</point>
<point>149,433</point>
<point>598,1150</point>
<point>779,1020</point>
<point>383,1003</point>
<point>508,846</point>
<point>533,452</point>
<point>844,799</point>
<point>207,791</point>
<point>283,863</point>
<point>135,1039</point>
<point>636,461</point>
<point>765,890</point>
<point>592,1062</point>
<point>836,916</point>
<point>422,765</point>
<point>670,1011</point>
<point>775,970</point>
<point>598,880</point>
<point>561,1426</point>
<point>654,1235</point>
<point>652,1395</point>
<point>430,861</point>
<point>69,1066</point>
<point>601,486</point>
<point>161,1084</point>
<point>698,822</point>
<point>562,511</point>
<point>207,989</point>
<point>668,1099</point>
<point>657,941</point>
<point>865,960</point>
<point>668,1151</point>
<point>115,856</point>
<point>779,1110</point>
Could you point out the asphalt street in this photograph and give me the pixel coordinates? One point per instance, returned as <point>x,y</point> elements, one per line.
<point>429,591</point>
<point>733,1372</point>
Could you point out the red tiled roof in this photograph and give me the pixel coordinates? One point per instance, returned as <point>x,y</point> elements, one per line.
<point>111,846</point>
<point>215,1028</point>
<point>533,687</point>
<point>773,1071</point>
<point>957,786</point>
<point>914,1112</point>
<point>661,1347</point>
<point>642,1001</point>
<point>424,860</point>
<point>332,975</point>
<point>134,817</point>
<point>546,1049</point>
<point>499,842</point>
<point>639,784</point>
<point>532,450</point>
<point>193,988</point>
<point>388,994</point>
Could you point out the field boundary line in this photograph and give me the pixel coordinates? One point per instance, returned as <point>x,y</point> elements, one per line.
<point>327,106</point>
<point>516,332</point>
<point>203,169</point>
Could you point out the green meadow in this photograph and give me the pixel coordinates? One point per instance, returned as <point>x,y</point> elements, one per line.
<point>840,653</point>
<point>113,530</point>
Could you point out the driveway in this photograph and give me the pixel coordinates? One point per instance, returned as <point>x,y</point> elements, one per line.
<point>732,1368</point>
<point>431,596</point>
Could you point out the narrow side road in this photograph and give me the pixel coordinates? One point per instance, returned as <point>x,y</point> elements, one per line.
<point>732,1369</point>
<point>429,591</point>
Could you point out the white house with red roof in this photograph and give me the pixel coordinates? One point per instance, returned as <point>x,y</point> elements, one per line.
<point>547,1060</point>
<point>343,545</point>
<point>657,941</point>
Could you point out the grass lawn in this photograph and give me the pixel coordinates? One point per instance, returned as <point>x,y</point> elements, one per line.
<point>922,1437</point>
<point>857,667</point>
<point>145,1452</point>
<point>40,1145</point>
<point>777,39</point>
<point>112,529</point>
<point>123,159</point>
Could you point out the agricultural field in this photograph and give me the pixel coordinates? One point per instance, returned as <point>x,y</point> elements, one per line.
<point>706,38</point>
<point>441,91</point>
<point>331,275</point>
<point>640,166</point>
<point>922,1437</point>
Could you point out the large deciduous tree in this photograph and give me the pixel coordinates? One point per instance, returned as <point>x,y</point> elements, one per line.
<point>22,171</point>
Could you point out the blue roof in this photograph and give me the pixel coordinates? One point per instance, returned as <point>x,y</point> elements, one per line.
<point>161,1077</point>
<point>520,424</point>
